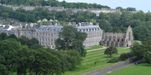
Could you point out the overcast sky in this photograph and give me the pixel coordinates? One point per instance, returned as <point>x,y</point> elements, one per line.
<point>144,5</point>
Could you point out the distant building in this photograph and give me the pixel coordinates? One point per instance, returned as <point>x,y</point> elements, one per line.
<point>60,9</point>
<point>8,29</point>
<point>118,39</point>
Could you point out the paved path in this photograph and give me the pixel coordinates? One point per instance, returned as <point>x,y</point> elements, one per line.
<point>110,69</point>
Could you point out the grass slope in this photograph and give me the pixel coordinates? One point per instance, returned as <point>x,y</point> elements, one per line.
<point>94,60</point>
<point>141,69</point>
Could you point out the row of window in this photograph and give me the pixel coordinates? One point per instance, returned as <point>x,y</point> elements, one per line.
<point>46,39</point>
<point>48,29</point>
<point>45,34</point>
<point>89,29</point>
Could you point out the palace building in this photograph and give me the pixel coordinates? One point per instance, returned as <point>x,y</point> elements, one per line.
<point>47,34</point>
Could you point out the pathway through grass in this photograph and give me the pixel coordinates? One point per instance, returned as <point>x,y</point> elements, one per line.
<point>95,59</point>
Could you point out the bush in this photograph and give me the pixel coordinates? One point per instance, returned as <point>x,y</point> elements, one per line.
<point>113,60</point>
<point>125,56</point>
<point>110,51</point>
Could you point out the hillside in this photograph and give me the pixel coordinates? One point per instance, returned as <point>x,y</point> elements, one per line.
<point>53,3</point>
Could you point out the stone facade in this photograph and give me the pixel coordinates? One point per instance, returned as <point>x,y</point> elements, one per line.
<point>94,33</point>
<point>118,39</point>
<point>45,34</point>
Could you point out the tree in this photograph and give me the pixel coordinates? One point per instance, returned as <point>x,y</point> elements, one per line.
<point>8,49</point>
<point>142,51</point>
<point>110,51</point>
<point>45,62</point>
<point>147,57</point>
<point>70,59</point>
<point>23,60</point>
<point>138,51</point>
<point>71,39</point>
<point>18,55</point>
<point>31,43</point>
<point>140,32</point>
<point>119,8</point>
<point>12,36</point>
<point>148,16</point>
<point>105,25</point>
<point>3,69</point>
<point>130,9</point>
<point>3,36</point>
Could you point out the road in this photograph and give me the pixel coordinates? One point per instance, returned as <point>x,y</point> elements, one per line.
<point>110,69</point>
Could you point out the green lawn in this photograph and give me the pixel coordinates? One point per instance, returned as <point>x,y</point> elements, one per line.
<point>94,47</point>
<point>97,56</point>
<point>141,69</point>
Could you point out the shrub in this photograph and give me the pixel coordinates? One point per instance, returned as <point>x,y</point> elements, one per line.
<point>125,56</point>
<point>113,60</point>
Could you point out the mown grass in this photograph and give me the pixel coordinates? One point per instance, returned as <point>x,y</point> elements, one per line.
<point>95,60</point>
<point>94,47</point>
<point>141,69</point>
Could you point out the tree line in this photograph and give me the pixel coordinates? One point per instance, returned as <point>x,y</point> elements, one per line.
<point>39,13</point>
<point>53,3</point>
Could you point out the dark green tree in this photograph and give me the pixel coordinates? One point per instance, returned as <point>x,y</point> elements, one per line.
<point>110,51</point>
<point>31,43</point>
<point>142,51</point>
<point>131,9</point>
<point>71,39</point>
<point>16,56</point>
<point>3,68</point>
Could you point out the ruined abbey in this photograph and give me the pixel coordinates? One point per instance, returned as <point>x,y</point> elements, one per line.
<point>118,39</point>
